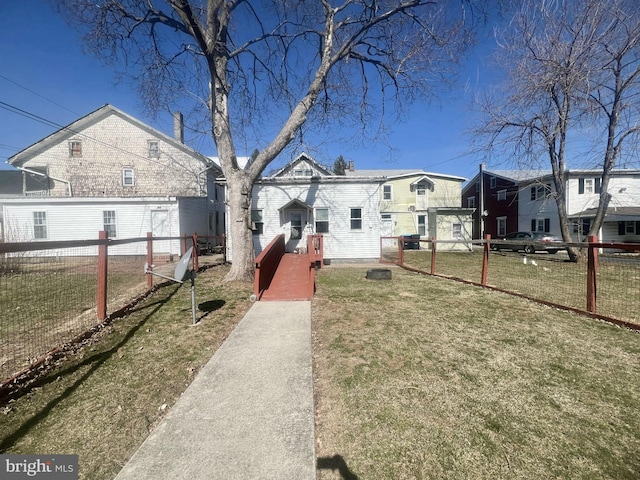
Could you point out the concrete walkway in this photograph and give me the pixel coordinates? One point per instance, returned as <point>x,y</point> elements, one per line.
<point>249,413</point>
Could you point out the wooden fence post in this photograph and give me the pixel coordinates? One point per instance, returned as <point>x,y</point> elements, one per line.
<point>592,272</point>
<point>149,258</point>
<point>485,259</point>
<point>401,250</point>
<point>101,296</point>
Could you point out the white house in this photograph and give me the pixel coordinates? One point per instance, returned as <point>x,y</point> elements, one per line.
<point>305,197</point>
<point>107,170</point>
<point>537,209</point>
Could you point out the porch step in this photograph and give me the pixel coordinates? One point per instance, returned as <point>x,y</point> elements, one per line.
<point>291,280</point>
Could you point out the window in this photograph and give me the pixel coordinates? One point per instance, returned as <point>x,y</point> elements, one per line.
<point>109,220</point>
<point>540,224</point>
<point>302,173</point>
<point>588,186</point>
<point>492,182</point>
<point>386,192</point>
<point>456,231</point>
<point>538,192</point>
<point>502,195</point>
<point>40,225</point>
<point>471,202</point>
<point>477,186</point>
<point>128,179</point>
<point>154,149</point>
<point>629,228</point>
<point>322,220</point>
<point>75,148</point>
<point>356,219</point>
<point>422,225</point>
<point>502,226</point>
<point>421,190</point>
<point>257,223</point>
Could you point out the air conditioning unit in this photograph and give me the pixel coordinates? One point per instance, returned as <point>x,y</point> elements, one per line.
<point>412,208</point>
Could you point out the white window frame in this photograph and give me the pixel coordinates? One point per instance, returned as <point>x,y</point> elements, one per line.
<point>387,192</point>
<point>501,195</point>
<point>40,227</point>
<point>422,226</point>
<point>501,226</point>
<point>492,182</point>
<point>320,218</point>
<point>456,231</point>
<point>128,177</point>
<point>110,223</point>
<point>588,186</point>
<point>471,202</point>
<point>154,149</point>
<point>357,220</point>
<point>75,149</point>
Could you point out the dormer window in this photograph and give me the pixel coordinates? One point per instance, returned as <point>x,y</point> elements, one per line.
<point>154,149</point>
<point>75,148</point>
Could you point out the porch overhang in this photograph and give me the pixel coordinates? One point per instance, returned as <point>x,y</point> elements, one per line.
<point>295,204</point>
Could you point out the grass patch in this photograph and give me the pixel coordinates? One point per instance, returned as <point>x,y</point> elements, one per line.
<point>421,378</point>
<point>102,402</point>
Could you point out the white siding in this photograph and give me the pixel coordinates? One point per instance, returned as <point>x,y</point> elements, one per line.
<point>82,220</point>
<point>341,242</point>
<point>193,216</point>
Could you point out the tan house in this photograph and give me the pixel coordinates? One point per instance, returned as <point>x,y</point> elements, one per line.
<point>110,171</point>
<point>423,204</point>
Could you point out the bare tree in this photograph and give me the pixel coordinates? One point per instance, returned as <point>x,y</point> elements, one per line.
<point>572,65</point>
<point>272,66</point>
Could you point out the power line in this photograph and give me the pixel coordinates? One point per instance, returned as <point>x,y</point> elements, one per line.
<point>51,123</point>
<point>36,94</point>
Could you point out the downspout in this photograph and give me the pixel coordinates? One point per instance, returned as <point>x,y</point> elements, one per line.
<point>48,176</point>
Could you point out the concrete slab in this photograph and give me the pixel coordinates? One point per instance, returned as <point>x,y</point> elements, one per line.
<point>249,412</point>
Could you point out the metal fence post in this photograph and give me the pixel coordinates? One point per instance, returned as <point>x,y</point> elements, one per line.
<point>101,295</point>
<point>592,272</point>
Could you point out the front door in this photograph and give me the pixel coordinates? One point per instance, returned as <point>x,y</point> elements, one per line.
<point>296,220</point>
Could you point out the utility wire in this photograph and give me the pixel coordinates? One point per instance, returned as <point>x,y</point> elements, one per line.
<point>37,94</point>
<point>51,123</point>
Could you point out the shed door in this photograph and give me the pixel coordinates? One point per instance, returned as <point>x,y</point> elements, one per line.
<point>160,227</point>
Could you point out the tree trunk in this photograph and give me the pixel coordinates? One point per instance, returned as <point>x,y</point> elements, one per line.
<point>239,200</point>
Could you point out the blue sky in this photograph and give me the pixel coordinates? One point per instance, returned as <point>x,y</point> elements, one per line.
<point>45,73</point>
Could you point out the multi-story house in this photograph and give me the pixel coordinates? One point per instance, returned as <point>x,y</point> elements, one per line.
<point>109,171</point>
<point>414,202</point>
<point>530,203</point>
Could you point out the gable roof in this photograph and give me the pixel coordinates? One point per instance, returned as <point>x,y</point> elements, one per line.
<point>75,128</point>
<point>303,157</point>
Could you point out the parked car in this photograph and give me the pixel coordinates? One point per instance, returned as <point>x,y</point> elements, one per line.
<point>540,242</point>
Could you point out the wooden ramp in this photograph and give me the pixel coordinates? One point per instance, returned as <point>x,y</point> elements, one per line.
<point>291,280</point>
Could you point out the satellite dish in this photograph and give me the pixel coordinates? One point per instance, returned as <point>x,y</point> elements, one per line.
<point>182,266</point>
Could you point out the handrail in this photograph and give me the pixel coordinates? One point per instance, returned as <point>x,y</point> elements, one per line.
<point>266,264</point>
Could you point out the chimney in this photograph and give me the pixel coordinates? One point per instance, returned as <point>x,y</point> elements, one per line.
<point>178,127</point>
<point>352,166</point>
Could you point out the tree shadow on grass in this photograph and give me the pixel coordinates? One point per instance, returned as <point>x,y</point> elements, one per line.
<point>96,361</point>
<point>336,463</point>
